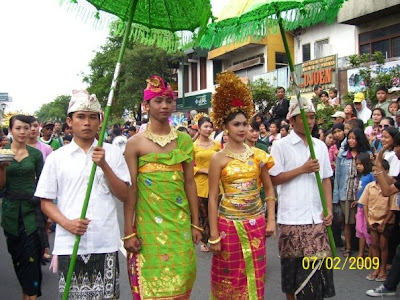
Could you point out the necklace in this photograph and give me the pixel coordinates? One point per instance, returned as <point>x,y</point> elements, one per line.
<point>208,144</point>
<point>239,156</point>
<point>161,140</point>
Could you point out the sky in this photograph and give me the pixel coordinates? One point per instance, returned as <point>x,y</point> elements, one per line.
<point>44,50</point>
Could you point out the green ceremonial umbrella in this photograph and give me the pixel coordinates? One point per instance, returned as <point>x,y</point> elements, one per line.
<point>151,22</point>
<point>260,17</point>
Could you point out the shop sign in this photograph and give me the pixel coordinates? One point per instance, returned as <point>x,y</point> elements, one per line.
<point>320,71</point>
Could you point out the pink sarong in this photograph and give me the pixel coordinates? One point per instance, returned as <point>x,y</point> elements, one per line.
<point>361,226</point>
<point>238,272</point>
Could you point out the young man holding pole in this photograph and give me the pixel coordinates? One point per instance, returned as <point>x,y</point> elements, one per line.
<point>65,177</point>
<point>302,234</point>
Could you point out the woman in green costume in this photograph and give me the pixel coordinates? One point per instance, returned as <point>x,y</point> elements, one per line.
<point>161,216</point>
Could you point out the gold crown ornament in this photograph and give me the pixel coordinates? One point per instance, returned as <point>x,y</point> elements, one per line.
<point>198,116</point>
<point>231,96</point>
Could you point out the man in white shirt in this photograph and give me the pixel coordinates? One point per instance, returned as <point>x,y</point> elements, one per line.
<point>301,222</point>
<point>65,177</point>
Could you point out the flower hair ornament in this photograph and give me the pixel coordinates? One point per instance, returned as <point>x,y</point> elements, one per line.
<point>157,87</point>
<point>231,96</point>
<point>198,116</point>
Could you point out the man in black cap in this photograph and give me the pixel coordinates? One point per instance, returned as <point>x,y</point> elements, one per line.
<point>381,95</point>
<point>47,132</point>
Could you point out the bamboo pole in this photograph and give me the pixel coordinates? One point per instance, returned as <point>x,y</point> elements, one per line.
<point>308,134</point>
<point>100,143</point>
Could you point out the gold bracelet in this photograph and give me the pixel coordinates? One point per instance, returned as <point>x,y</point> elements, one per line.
<point>197,227</point>
<point>128,236</point>
<point>216,241</point>
<point>270,198</point>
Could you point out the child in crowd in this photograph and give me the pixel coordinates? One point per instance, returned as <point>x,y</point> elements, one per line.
<point>393,108</point>
<point>274,129</point>
<point>324,100</point>
<point>338,135</point>
<point>330,142</point>
<point>364,176</point>
<point>264,134</point>
<point>380,219</point>
<point>333,98</point>
<point>284,130</point>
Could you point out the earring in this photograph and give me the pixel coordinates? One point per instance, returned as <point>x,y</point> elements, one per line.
<point>226,132</point>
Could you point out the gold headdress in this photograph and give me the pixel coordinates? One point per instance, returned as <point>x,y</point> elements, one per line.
<point>231,96</point>
<point>198,116</point>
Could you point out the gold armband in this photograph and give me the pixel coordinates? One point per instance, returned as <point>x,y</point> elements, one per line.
<point>197,227</point>
<point>128,236</point>
<point>270,198</point>
<point>216,241</point>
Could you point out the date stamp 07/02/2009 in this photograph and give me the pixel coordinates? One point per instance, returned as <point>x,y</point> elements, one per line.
<point>338,263</point>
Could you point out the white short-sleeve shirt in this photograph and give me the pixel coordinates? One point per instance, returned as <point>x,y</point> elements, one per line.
<point>299,200</point>
<point>65,177</point>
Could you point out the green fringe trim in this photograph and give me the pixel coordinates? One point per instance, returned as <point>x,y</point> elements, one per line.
<point>169,40</point>
<point>263,20</point>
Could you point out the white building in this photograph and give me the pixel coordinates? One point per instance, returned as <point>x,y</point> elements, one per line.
<point>324,40</point>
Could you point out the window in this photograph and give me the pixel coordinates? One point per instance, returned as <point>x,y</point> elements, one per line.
<point>386,40</point>
<point>194,76</point>
<point>217,68</point>
<point>396,47</point>
<point>186,74</point>
<point>306,52</point>
<point>365,49</point>
<point>203,73</point>
<point>281,60</point>
<point>319,48</point>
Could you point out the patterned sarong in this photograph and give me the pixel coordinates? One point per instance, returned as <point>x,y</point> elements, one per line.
<point>239,271</point>
<point>96,276</point>
<point>165,268</point>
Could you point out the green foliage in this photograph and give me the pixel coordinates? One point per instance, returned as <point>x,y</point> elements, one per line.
<point>138,64</point>
<point>373,78</point>
<point>55,110</point>
<point>348,98</point>
<point>323,117</point>
<point>263,94</point>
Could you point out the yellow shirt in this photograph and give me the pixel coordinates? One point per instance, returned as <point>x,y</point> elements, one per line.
<point>241,185</point>
<point>202,158</point>
<point>378,205</point>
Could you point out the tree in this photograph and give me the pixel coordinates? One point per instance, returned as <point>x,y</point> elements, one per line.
<point>263,94</point>
<point>55,110</point>
<point>138,64</point>
<point>373,78</point>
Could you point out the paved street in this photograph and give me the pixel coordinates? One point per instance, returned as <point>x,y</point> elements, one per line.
<point>350,284</point>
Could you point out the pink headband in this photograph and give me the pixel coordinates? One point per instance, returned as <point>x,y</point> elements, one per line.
<point>156,87</point>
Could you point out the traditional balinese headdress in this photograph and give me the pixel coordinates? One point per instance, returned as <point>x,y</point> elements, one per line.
<point>294,108</point>
<point>156,87</point>
<point>198,116</point>
<point>82,101</point>
<point>231,96</point>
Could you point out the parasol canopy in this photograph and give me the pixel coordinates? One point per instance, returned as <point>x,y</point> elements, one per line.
<point>154,22</point>
<point>241,19</point>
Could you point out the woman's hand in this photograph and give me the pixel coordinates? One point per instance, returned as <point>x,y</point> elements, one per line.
<point>196,235</point>
<point>353,204</point>
<point>270,229</point>
<point>133,245</point>
<point>215,248</point>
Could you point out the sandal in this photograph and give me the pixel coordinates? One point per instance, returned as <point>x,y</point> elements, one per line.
<point>347,253</point>
<point>371,277</point>
<point>381,278</point>
<point>204,248</point>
